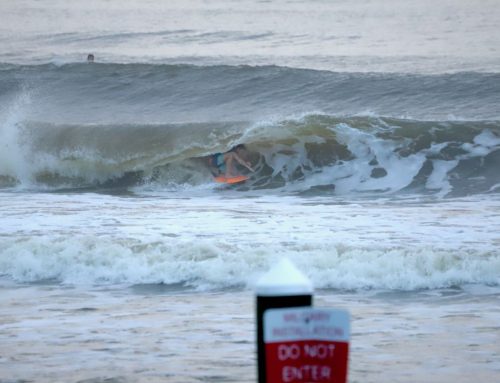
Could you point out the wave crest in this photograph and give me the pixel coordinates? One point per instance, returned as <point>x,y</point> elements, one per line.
<point>315,152</point>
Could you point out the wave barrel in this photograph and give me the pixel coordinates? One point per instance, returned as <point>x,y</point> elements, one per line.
<point>281,287</point>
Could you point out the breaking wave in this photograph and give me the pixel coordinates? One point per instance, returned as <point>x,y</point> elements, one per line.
<point>140,125</point>
<point>214,264</point>
<point>315,152</point>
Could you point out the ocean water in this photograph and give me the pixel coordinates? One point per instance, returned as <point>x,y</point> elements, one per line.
<point>374,131</point>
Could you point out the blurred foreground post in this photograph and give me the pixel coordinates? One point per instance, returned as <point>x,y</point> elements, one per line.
<point>283,286</point>
<point>297,343</point>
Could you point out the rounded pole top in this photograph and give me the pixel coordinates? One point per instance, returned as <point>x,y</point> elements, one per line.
<point>283,279</point>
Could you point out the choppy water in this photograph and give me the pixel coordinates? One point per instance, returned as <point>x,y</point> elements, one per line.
<point>374,129</point>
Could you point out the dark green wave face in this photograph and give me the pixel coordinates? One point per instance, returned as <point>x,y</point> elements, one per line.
<point>316,153</point>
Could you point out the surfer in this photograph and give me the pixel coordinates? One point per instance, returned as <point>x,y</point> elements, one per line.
<point>224,163</point>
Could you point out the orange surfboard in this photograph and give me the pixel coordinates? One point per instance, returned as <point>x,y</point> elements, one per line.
<point>230,180</point>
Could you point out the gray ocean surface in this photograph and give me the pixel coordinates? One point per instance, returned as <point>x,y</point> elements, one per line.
<point>374,130</point>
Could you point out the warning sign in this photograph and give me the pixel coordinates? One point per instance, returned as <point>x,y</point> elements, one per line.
<point>305,345</point>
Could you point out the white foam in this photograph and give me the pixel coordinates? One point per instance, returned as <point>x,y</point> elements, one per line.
<point>439,176</point>
<point>356,174</point>
<point>210,242</point>
<point>487,138</point>
<point>13,156</point>
<point>209,264</point>
<point>484,143</point>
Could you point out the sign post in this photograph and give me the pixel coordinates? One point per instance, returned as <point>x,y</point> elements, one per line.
<point>305,345</point>
<point>283,286</point>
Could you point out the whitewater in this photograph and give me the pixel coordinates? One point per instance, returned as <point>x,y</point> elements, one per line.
<point>374,131</point>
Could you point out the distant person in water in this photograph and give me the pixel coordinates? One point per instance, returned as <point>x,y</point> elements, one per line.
<point>90,58</point>
<point>223,164</point>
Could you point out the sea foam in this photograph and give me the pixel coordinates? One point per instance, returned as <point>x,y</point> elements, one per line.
<point>215,242</point>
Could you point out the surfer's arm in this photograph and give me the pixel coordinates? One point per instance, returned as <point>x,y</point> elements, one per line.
<point>243,163</point>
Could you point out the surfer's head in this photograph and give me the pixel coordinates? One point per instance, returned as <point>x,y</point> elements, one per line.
<point>238,148</point>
